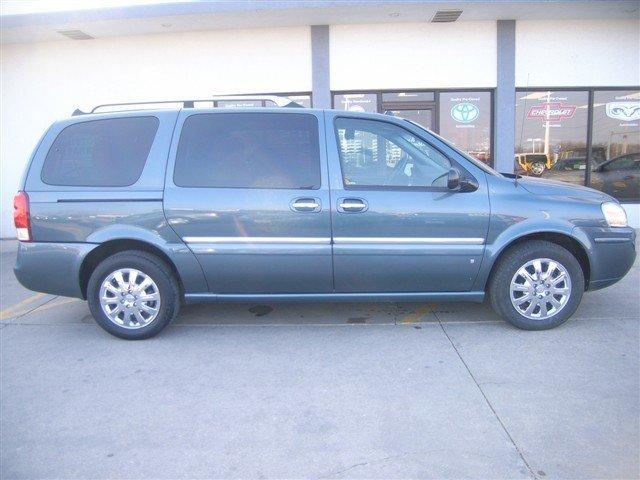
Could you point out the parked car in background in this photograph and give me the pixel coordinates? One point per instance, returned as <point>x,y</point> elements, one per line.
<point>140,211</point>
<point>598,155</point>
<point>619,177</point>
<point>571,165</point>
<point>568,169</point>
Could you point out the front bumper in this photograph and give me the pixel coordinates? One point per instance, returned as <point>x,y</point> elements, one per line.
<point>611,252</point>
<point>51,267</point>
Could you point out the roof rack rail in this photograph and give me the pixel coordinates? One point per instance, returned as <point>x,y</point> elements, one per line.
<point>276,100</point>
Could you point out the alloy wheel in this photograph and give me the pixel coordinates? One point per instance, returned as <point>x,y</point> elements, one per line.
<point>130,298</point>
<point>540,288</point>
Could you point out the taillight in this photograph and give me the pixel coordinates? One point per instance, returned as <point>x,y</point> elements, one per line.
<point>21,216</point>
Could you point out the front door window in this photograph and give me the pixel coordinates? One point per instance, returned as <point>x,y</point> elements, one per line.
<point>380,154</point>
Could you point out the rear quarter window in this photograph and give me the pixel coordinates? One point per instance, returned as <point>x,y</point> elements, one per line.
<point>100,153</point>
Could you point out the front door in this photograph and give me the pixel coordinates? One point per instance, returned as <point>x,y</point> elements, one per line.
<point>396,226</point>
<point>247,192</point>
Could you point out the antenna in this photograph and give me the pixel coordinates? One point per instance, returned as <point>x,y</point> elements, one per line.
<point>524,109</point>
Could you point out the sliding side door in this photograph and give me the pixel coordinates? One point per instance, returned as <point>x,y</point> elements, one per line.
<point>247,192</point>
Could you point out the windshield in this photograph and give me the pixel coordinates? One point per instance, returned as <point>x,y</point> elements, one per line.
<point>483,166</point>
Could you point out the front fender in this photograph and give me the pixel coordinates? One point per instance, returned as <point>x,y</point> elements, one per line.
<point>503,238</point>
<point>611,253</point>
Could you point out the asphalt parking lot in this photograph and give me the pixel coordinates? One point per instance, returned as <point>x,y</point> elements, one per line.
<point>320,391</point>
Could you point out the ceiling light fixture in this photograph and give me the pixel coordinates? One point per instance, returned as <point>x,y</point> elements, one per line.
<point>75,34</point>
<point>446,16</point>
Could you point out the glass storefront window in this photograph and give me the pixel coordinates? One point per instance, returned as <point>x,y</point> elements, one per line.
<point>396,97</point>
<point>416,106</point>
<point>465,121</point>
<point>239,103</point>
<point>356,102</point>
<point>551,130</point>
<point>616,144</point>
<point>422,117</point>
<point>551,135</point>
<point>304,100</point>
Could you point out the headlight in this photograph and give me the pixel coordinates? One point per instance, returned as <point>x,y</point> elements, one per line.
<point>614,214</point>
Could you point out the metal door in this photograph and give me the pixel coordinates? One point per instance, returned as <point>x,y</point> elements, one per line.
<point>404,239</point>
<point>267,237</point>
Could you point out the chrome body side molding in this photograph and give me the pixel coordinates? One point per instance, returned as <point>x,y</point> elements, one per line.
<point>321,240</point>
<point>341,240</point>
<point>411,240</point>
<point>335,297</point>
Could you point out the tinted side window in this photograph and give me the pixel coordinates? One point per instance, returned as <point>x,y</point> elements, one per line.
<point>374,153</point>
<point>100,153</point>
<point>249,150</point>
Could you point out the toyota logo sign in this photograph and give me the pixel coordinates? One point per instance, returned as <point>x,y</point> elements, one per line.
<point>464,112</point>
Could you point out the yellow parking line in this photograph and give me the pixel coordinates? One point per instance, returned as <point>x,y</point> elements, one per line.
<point>56,304</point>
<point>12,310</point>
<point>418,314</point>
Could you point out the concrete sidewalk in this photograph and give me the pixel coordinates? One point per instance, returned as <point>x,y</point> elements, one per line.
<point>320,391</point>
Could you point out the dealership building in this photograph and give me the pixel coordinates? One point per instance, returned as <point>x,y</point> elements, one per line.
<point>544,88</point>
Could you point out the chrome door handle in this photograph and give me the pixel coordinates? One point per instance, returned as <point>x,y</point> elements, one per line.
<point>306,204</point>
<point>351,205</point>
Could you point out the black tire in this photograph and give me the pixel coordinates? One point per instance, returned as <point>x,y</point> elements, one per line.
<point>511,261</point>
<point>537,166</point>
<point>150,265</point>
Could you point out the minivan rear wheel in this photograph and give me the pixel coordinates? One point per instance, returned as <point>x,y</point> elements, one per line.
<point>133,295</point>
<point>536,285</point>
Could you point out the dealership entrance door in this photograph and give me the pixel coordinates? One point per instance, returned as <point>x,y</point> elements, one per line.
<point>419,107</point>
<point>422,116</point>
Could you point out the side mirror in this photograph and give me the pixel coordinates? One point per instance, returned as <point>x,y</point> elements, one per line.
<point>458,184</point>
<point>453,179</point>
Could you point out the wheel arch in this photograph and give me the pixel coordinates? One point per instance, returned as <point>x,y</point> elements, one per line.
<point>110,247</point>
<point>567,241</point>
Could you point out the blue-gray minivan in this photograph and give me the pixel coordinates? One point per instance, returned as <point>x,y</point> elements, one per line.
<point>140,211</point>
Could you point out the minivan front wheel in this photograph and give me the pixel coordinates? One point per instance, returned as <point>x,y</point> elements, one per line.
<point>537,285</point>
<point>133,295</point>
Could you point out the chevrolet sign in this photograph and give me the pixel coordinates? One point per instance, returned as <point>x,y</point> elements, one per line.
<point>552,111</point>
